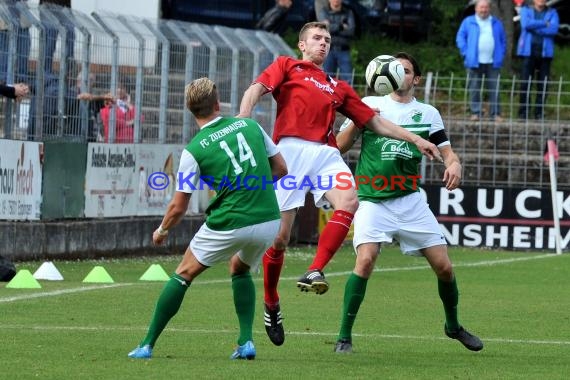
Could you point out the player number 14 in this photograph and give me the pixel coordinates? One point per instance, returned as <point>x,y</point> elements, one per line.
<point>245,153</point>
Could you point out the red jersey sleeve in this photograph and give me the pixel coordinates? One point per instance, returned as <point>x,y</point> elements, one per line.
<point>274,74</point>
<point>354,108</point>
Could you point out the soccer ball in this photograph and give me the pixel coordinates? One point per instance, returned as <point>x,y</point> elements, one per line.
<point>384,74</point>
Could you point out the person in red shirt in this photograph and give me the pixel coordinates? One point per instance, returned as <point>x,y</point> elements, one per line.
<point>124,116</point>
<point>307,101</point>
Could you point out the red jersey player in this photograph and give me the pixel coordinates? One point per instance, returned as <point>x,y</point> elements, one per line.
<point>307,101</point>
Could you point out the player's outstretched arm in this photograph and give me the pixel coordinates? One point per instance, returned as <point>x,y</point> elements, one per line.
<point>250,98</point>
<point>174,213</point>
<point>452,173</point>
<point>386,128</point>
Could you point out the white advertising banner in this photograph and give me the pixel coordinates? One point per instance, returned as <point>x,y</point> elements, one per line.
<point>157,166</point>
<point>512,218</point>
<point>111,180</point>
<point>20,180</point>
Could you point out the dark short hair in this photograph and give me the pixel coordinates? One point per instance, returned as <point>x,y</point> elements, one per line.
<point>412,60</point>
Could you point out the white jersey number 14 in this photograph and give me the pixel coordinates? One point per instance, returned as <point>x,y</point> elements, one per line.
<point>245,153</point>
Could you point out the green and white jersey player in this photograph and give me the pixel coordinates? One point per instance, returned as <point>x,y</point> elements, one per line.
<point>221,158</point>
<point>242,219</point>
<point>391,206</point>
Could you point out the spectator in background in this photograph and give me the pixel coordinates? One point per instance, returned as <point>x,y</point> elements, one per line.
<point>23,44</point>
<point>84,109</point>
<point>17,91</point>
<point>48,123</point>
<point>52,31</point>
<point>482,43</point>
<point>274,19</point>
<point>124,115</point>
<point>342,27</point>
<point>320,6</point>
<point>539,26</point>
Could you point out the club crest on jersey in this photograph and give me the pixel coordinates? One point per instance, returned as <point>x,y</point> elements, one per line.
<point>416,116</point>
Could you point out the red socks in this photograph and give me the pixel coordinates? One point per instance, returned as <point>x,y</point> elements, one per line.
<point>331,239</point>
<point>272,264</point>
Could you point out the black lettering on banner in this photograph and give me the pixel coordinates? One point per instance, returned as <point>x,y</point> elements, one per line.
<point>6,180</point>
<point>510,218</point>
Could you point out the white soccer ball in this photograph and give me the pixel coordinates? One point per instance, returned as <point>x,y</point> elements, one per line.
<point>384,74</point>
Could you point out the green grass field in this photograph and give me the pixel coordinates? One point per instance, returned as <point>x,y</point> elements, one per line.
<point>518,303</point>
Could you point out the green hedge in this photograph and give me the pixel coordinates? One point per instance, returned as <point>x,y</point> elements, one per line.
<point>434,57</point>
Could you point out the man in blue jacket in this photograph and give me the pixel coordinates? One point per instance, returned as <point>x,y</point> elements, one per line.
<point>539,25</point>
<point>482,42</point>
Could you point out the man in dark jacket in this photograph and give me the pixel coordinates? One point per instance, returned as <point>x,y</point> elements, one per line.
<point>342,27</point>
<point>274,19</point>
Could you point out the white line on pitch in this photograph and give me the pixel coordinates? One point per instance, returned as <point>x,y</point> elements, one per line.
<point>455,265</point>
<point>59,292</point>
<point>329,274</point>
<point>298,333</point>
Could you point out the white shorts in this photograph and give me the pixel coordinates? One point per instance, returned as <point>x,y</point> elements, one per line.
<point>309,163</point>
<point>250,243</point>
<point>407,219</point>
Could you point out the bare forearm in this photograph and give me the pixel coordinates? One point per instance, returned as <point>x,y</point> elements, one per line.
<point>385,127</point>
<point>175,210</point>
<point>250,98</point>
<point>91,97</point>
<point>450,158</point>
<point>453,171</point>
<point>174,213</point>
<point>172,217</point>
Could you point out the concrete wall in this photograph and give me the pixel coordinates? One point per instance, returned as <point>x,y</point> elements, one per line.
<point>94,238</point>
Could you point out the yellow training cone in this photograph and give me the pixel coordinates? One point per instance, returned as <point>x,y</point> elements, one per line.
<point>98,274</point>
<point>154,273</point>
<point>24,280</point>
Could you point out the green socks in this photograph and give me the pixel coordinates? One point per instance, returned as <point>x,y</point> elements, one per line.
<point>244,301</point>
<point>167,306</point>
<point>353,295</point>
<point>450,297</point>
<point>355,290</point>
<point>173,293</point>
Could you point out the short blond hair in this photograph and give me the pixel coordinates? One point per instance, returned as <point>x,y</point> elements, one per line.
<point>201,96</point>
<point>312,25</point>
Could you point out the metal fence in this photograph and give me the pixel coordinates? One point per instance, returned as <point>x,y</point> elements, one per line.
<point>505,153</point>
<point>62,53</point>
